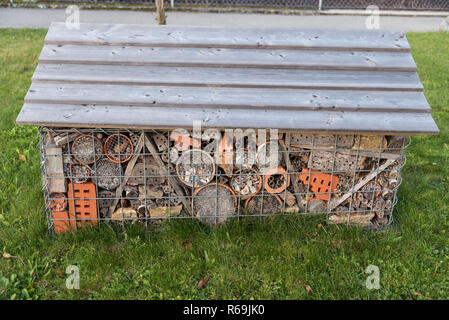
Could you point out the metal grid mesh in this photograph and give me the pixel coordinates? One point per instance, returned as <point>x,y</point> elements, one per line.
<point>352,179</point>
<point>295,4</point>
<point>387,4</point>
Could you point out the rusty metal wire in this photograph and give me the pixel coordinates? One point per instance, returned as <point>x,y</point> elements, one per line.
<point>314,174</point>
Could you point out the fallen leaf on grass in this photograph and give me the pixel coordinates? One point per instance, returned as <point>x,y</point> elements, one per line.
<point>22,157</point>
<point>187,244</point>
<point>6,255</point>
<point>306,286</point>
<point>203,282</point>
<point>60,272</point>
<point>419,294</point>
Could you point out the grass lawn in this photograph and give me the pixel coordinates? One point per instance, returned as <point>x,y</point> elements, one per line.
<point>292,258</point>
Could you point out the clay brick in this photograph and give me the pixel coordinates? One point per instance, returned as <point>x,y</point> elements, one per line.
<point>81,199</point>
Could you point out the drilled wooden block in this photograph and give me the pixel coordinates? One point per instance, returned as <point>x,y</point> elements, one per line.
<point>324,161</point>
<point>320,140</point>
<point>370,142</point>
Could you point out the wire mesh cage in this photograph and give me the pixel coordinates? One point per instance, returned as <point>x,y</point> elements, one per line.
<point>93,176</point>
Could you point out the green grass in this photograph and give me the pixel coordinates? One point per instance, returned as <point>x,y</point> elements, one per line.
<point>245,260</point>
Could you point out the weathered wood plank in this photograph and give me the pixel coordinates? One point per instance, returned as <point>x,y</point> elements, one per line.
<point>219,57</point>
<point>228,77</point>
<point>139,76</point>
<point>285,38</point>
<point>227,97</point>
<point>165,117</point>
<point>55,170</point>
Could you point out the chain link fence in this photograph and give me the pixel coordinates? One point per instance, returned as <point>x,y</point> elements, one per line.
<point>292,4</point>
<point>387,4</point>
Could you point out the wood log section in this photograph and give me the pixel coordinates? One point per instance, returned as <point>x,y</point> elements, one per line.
<point>165,212</point>
<point>393,183</point>
<point>124,214</point>
<point>394,174</point>
<point>352,218</point>
<point>370,142</point>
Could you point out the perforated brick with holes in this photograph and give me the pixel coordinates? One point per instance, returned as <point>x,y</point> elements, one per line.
<point>82,200</point>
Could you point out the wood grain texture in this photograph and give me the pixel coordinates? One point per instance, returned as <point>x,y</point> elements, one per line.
<point>55,170</point>
<point>222,57</point>
<point>140,76</point>
<point>250,98</point>
<point>227,77</point>
<point>164,118</point>
<point>281,38</point>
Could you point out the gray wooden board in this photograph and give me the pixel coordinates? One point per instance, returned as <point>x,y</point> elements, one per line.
<point>289,38</point>
<point>219,57</point>
<point>228,77</point>
<point>55,170</point>
<point>253,98</point>
<point>171,117</point>
<point>140,76</point>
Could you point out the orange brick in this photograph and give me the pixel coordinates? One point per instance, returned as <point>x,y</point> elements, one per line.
<point>82,201</point>
<point>320,182</point>
<point>62,222</point>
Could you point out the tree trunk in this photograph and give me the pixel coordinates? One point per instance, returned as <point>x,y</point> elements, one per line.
<point>160,12</point>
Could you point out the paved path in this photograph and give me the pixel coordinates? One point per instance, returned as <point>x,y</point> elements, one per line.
<point>41,18</point>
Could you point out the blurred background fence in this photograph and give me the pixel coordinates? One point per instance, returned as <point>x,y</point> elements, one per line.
<point>293,4</point>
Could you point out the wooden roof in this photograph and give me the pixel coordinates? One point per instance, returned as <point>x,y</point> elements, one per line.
<point>139,76</point>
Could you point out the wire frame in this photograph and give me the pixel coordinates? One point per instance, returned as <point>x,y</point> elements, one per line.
<point>351,179</point>
<point>86,148</point>
<point>118,148</point>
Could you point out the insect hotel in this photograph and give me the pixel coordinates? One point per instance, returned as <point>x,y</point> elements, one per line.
<point>144,123</point>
